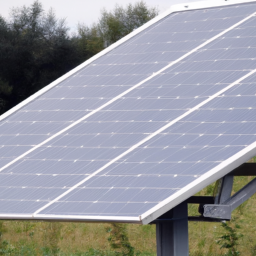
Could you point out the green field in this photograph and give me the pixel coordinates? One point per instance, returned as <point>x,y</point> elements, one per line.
<point>44,238</point>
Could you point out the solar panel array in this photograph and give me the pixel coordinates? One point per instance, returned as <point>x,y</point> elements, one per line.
<point>138,124</point>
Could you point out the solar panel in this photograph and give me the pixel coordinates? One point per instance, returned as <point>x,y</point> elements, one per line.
<point>140,128</point>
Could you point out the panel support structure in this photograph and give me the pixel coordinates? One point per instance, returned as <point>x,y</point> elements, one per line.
<point>225,209</point>
<point>172,232</point>
<point>224,189</point>
<point>246,169</point>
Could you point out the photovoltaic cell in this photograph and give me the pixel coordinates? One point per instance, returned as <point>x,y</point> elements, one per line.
<point>163,165</point>
<point>112,74</point>
<point>174,159</point>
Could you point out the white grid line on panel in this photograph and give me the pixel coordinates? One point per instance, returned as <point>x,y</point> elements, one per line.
<point>129,90</point>
<point>149,110</point>
<point>137,133</point>
<point>147,139</point>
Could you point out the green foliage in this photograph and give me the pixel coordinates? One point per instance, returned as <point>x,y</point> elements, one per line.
<point>52,236</point>
<point>229,240</point>
<point>89,41</point>
<point>35,49</point>
<point>3,243</point>
<point>5,92</point>
<point>113,25</point>
<point>23,249</point>
<point>118,239</point>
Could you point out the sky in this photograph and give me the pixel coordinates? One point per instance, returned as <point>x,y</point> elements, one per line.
<point>82,11</point>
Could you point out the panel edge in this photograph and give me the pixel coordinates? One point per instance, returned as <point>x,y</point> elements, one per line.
<point>73,218</point>
<point>187,6</point>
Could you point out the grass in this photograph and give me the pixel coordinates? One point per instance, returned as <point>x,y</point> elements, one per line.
<point>42,238</point>
<point>87,239</point>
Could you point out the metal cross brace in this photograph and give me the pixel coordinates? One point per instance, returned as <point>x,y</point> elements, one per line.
<point>225,204</point>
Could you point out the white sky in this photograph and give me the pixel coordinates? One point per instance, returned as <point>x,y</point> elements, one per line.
<point>82,11</point>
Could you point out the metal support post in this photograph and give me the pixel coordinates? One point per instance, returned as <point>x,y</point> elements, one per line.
<point>224,189</point>
<point>172,232</point>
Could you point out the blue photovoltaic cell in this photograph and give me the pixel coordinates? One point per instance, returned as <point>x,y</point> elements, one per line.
<point>31,191</point>
<point>111,75</point>
<point>173,159</point>
<point>166,163</point>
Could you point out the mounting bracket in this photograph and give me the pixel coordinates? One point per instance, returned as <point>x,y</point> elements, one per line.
<point>224,209</point>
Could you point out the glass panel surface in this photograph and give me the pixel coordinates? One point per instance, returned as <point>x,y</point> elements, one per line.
<point>161,166</point>
<point>113,73</point>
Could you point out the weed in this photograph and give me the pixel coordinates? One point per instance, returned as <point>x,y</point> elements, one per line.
<point>3,243</point>
<point>118,239</point>
<point>51,238</point>
<point>229,240</point>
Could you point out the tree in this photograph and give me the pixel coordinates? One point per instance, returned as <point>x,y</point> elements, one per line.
<point>114,25</point>
<point>35,49</point>
<point>89,41</point>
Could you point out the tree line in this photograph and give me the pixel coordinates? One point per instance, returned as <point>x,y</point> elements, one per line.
<point>36,47</point>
